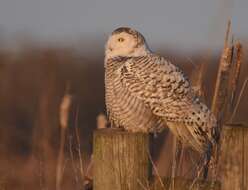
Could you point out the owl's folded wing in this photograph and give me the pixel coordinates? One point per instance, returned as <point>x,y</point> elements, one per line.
<point>156,81</point>
<point>165,89</point>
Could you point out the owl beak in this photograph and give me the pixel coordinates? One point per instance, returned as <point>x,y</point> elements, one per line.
<point>110,49</point>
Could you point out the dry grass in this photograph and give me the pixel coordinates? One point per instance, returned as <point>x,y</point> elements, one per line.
<point>64,118</point>
<point>31,139</point>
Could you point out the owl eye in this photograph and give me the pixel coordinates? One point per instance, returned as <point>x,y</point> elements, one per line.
<point>121,39</point>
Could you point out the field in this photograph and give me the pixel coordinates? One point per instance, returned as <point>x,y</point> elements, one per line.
<point>32,84</point>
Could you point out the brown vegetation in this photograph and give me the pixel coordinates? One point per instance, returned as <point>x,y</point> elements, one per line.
<point>32,85</point>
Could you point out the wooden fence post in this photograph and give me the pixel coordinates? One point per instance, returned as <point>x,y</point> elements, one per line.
<point>121,160</point>
<point>234,157</point>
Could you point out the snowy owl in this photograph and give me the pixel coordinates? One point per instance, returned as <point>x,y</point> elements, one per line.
<point>145,92</point>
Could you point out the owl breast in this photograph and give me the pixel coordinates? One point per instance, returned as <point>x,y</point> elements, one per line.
<point>125,110</point>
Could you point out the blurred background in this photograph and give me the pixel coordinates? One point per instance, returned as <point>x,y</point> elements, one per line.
<point>48,45</point>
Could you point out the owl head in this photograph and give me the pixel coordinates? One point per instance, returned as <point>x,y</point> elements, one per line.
<point>125,42</point>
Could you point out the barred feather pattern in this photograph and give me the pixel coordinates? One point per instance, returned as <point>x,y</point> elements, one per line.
<point>123,108</point>
<point>147,93</point>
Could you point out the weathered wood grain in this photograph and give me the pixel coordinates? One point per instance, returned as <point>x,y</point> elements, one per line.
<point>234,158</point>
<point>120,160</point>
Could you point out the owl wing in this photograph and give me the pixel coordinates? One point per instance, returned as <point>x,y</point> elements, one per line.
<point>160,84</point>
<point>167,92</point>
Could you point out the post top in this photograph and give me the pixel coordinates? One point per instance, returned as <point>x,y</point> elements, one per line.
<point>117,131</point>
<point>235,125</point>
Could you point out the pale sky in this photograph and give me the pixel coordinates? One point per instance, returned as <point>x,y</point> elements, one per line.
<point>185,24</point>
